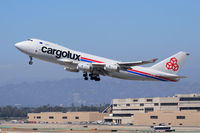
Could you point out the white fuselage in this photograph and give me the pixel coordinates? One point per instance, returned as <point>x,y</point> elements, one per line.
<point>54,53</point>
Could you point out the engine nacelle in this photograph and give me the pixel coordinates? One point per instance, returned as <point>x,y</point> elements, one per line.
<point>84,67</point>
<point>71,69</point>
<point>111,67</point>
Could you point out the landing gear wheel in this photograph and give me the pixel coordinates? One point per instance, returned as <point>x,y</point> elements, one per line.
<point>97,78</point>
<point>31,60</point>
<point>85,76</point>
<point>94,77</point>
<point>30,63</point>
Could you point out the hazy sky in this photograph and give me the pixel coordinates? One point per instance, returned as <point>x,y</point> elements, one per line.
<point>121,30</point>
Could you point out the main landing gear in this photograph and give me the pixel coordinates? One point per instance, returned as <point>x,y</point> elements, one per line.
<point>92,76</point>
<point>31,60</point>
<point>85,76</point>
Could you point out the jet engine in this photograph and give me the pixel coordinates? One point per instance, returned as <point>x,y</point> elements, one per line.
<point>84,67</point>
<point>111,67</point>
<point>71,69</point>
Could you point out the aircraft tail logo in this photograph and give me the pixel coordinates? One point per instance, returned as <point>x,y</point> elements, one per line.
<point>172,64</point>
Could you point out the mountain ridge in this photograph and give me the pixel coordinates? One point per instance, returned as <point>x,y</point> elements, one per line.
<point>77,91</point>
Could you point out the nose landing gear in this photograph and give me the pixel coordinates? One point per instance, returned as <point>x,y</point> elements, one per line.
<point>31,60</point>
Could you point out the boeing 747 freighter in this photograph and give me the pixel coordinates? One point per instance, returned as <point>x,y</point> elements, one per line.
<point>94,66</point>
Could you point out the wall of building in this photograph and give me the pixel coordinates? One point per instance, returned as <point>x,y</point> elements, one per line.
<point>59,117</point>
<point>139,110</point>
<point>174,118</point>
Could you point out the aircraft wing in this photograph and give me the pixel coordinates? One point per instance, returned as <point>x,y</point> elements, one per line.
<point>120,65</point>
<point>101,66</point>
<point>124,65</point>
<point>128,65</point>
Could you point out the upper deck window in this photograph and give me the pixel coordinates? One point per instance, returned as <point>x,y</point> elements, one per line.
<point>30,40</point>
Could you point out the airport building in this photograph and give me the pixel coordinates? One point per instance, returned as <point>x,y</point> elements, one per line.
<point>179,110</point>
<point>182,109</point>
<point>59,117</point>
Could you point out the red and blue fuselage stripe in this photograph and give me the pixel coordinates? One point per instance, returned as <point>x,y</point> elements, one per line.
<point>150,75</point>
<point>89,60</point>
<point>132,71</point>
<point>145,75</point>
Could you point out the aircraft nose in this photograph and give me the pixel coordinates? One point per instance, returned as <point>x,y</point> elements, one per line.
<point>18,45</point>
<point>22,46</point>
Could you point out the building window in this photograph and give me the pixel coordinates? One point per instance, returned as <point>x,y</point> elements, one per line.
<point>108,120</point>
<point>168,104</point>
<point>76,117</point>
<point>51,117</point>
<point>149,100</point>
<point>128,105</point>
<point>189,108</point>
<point>38,117</point>
<point>115,105</point>
<point>148,110</point>
<point>122,115</point>
<point>135,100</point>
<point>153,117</point>
<point>141,104</point>
<point>64,117</point>
<point>190,99</point>
<point>128,109</point>
<point>156,104</point>
<point>180,117</point>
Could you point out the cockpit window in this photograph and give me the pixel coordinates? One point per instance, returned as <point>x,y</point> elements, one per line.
<point>30,40</point>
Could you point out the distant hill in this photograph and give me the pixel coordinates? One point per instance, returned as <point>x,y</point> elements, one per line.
<point>78,91</point>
